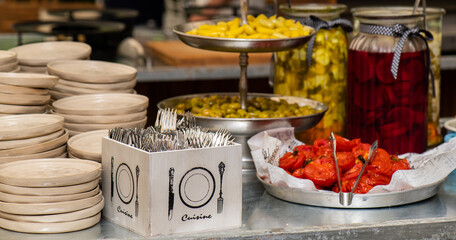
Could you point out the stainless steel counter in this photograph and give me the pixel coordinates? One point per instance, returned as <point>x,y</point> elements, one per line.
<point>265,217</point>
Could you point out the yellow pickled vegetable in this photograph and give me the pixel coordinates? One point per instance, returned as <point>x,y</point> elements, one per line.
<point>260,27</point>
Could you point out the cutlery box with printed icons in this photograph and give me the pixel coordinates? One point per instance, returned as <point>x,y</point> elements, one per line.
<point>172,192</point>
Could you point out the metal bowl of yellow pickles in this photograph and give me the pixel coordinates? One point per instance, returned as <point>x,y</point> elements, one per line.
<point>261,34</point>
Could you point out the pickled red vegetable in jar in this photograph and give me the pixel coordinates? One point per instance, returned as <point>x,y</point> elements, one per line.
<point>380,106</point>
<point>325,78</point>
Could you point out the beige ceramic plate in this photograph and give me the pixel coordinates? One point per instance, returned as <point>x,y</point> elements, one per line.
<point>54,153</point>
<point>102,104</point>
<point>28,80</point>
<point>80,127</point>
<point>37,148</point>
<point>7,67</point>
<point>24,99</point>
<point>56,227</point>
<point>12,198</point>
<point>29,125</point>
<point>40,54</point>
<point>51,172</point>
<point>90,71</point>
<point>20,109</point>
<point>4,88</point>
<point>69,118</point>
<point>4,145</point>
<point>30,69</point>
<point>101,86</point>
<point>50,208</point>
<point>18,69</point>
<point>7,57</point>
<point>62,217</point>
<point>49,191</point>
<point>77,90</point>
<point>72,134</point>
<point>87,145</point>
<point>59,95</point>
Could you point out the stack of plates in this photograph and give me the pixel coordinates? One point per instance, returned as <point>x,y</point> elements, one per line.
<point>90,112</point>
<point>34,57</point>
<point>32,136</point>
<point>22,93</point>
<point>66,198</point>
<point>87,145</point>
<point>8,62</point>
<point>78,77</point>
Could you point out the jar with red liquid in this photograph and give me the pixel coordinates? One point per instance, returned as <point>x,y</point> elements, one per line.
<point>380,105</point>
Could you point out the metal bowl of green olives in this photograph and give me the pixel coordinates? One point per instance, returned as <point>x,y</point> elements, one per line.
<point>250,122</point>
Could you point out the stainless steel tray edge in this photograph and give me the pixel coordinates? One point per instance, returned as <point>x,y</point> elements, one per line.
<point>331,199</point>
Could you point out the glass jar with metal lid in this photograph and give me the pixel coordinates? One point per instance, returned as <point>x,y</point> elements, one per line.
<point>387,88</point>
<point>434,26</point>
<point>318,69</point>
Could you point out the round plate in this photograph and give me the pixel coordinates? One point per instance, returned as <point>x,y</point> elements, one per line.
<point>51,172</point>
<point>77,90</point>
<point>16,70</point>
<point>28,80</point>
<point>37,148</point>
<point>102,104</point>
<point>7,57</point>
<point>53,153</point>
<point>59,95</point>
<point>80,127</point>
<point>101,86</point>
<point>7,67</point>
<point>14,144</point>
<point>40,54</point>
<point>30,69</point>
<point>62,217</point>
<point>90,71</point>
<point>57,227</point>
<point>87,145</point>
<point>50,208</point>
<point>331,199</point>
<point>235,44</point>
<point>4,88</point>
<point>20,109</point>
<point>130,117</point>
<point>125,183</point>
<point>49,191</point>
<point>30,125</point>
<point>24,99</point>
<point>12,198</point>
<point>196,187</point>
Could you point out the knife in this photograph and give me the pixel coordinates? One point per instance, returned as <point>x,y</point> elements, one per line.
<point>171,194</point>
<point>137,185</point>
<point>112,179</point>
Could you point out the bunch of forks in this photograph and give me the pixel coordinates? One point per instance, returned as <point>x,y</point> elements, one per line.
<point>171,133</point>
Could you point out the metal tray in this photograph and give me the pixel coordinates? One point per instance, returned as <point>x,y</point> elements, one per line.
<point>235,44</point>
<point>331,199</point>
<point>244,128</point>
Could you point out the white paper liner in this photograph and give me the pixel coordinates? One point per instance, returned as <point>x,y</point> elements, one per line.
<point>429,167</point>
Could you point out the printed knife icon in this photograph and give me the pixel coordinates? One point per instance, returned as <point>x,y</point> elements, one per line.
<point>171,194</point>
<point>112,178</point>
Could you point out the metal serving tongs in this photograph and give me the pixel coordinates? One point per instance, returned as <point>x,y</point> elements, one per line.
<point>345,198</point>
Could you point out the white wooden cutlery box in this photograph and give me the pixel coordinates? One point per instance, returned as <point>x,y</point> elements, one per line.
<point>172,192</point>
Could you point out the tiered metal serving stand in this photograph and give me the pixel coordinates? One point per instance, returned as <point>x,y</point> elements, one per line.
<point>243,128</point>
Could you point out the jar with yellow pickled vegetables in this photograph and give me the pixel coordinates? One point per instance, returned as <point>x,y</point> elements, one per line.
<point>317,70</point>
